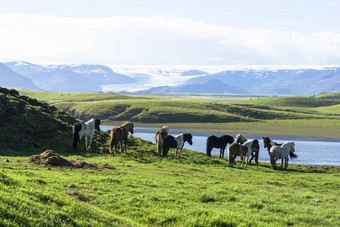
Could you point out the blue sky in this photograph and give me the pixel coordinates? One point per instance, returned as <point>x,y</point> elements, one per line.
<point>176,32</point>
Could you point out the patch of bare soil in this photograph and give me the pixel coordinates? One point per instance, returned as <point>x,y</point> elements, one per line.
<point>51,158</point>
<point>80,196</point>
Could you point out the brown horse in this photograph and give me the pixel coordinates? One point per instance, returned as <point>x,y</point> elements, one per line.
<point>235,150</point>
<point>159,137</point>
<point>120,134</point>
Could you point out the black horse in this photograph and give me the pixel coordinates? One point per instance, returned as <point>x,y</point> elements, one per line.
<point>176,142</point>
<point>218,142</point>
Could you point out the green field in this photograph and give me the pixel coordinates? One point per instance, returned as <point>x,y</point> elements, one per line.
<point>304,116</point>
<point>145,190</point>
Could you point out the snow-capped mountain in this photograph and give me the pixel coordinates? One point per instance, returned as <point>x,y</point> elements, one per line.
<point>79,78</point>
<point>9,78</point>
<point>256,80</point>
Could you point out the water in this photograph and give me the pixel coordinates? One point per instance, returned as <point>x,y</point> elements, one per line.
<point>309,151</point>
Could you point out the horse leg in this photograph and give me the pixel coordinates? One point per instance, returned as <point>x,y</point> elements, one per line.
<point>222,151</point>
<point>121,146</point>
<point>125,142</point>
<point>281,163</point>
<point>243,158</point>
<point>286,163</point>
<point>86,142</point>
<point>176,153</point>
<point>179,154</point>
<point>91,137</point>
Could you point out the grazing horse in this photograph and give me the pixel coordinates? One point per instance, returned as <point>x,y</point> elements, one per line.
<point>176,142</point>
<point>87,130</point>
<point>120,134</point>
<point>159,137</point>
<point>253,150</point>
<point>241,139</point>
<point>282,152</point>
<point>218,142</point>
<point>235,150</point>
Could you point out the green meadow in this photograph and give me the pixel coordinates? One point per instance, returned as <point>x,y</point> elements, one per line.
<point>145,190</point>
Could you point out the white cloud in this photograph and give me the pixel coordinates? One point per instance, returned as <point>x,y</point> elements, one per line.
<point>157,40</point>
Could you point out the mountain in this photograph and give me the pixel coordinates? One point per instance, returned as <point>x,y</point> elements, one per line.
<point>9,78</point>
<point>77,78</point>
<point>279,81</point>
<point>205,86</point>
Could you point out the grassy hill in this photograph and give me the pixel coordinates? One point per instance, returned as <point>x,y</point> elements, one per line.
<point>144,189</point>
<point>150,109</point>
<point>303,116</point>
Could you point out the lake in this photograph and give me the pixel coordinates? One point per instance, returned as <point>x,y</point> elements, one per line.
<point>310,151</point>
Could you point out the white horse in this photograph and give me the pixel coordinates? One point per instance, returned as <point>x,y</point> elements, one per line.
<point>87,130</point>
<point>176,142</point>
<point>282,152</point>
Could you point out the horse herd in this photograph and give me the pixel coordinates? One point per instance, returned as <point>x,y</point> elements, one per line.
<point>243,147</point>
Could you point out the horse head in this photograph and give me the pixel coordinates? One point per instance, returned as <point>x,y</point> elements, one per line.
<point>188,138</point>
<point>131,128</point>
<point>240,139</point>
<point>166,129</point>
<point>97,122</point>
<point>266,142</point>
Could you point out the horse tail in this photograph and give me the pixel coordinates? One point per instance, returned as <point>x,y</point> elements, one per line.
<point>292,155</point>
<point>229,156</point>
<point>210,145</point>
<point>76,129</point>
<point>159,142</point>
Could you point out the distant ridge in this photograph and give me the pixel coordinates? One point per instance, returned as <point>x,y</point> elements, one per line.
<point>76,78</point>
<point>9,78</point>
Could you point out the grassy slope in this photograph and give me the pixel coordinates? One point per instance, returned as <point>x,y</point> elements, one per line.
<point>287,116</point>
<point>147,190</point>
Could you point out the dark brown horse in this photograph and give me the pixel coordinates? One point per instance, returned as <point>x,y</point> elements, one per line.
<point>159,137</point>
<point>120,134</point>
<point>218,142</point>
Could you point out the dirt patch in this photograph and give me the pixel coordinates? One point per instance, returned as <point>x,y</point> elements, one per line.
<point>80,196</point>
<point>51,158</point>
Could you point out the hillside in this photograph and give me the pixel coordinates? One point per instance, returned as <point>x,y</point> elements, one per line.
<point>149,109</point>
<point>27,124</point>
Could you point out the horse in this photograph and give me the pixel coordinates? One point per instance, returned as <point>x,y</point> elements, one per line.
<point>282,152</point>
<point>176,142</point>
<point>235,150</point>
<point>253,150</point>
<point>218,142</point>
<point>241,139</point>
<point>87,130</point>
<point>268,143</point>
<point>159,137</point>
<point>120,134</point>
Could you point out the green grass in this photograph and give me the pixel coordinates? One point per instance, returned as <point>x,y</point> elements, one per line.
<point>145,190</point>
